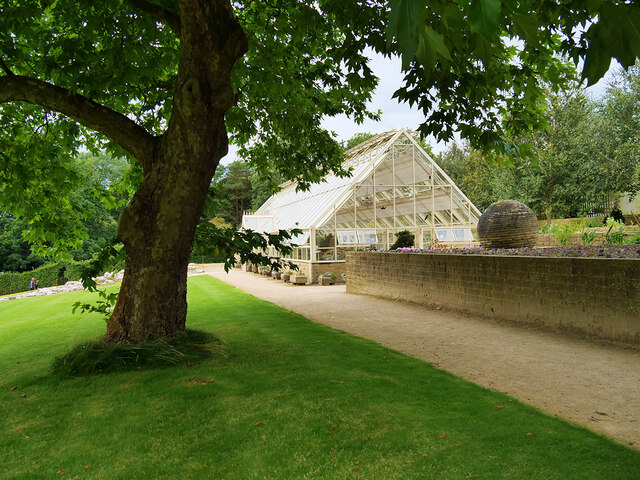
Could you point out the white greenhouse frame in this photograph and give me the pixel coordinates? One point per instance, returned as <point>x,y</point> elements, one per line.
<point>394,185</point>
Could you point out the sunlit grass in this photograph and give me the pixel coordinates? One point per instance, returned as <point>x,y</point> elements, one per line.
<point>284,399</point>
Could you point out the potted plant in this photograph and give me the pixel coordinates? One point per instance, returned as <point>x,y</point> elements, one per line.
<point>328,278</point>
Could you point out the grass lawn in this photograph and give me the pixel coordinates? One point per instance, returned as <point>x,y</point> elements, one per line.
<point>288,399</point>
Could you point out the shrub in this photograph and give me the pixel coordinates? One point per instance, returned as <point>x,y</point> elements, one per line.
<point>588,236</point>
<point>615,233</point>
<point>564,233</point>
<point>634,240</point>
<point>615,214</point>
<point>48,275</point>
<point>404,239</point>
<point>329,275</point>
<point>592,222</point>
<point>549,229</point>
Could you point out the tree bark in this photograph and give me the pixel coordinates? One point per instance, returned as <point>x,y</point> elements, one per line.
<point>157,227</point>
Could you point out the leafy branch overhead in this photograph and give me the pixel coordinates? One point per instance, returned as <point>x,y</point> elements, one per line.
<point>239,247</point>
<point>168,83</point>
<point>485,66</point>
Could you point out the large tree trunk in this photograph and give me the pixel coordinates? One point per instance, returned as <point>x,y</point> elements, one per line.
<point>158,225</point>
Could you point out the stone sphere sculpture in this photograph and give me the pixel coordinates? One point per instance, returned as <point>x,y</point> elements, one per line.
<point>508,224</point>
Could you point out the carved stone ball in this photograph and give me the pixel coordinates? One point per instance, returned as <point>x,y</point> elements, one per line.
<point>508,224</point>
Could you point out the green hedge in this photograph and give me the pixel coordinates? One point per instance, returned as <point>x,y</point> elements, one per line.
<point>207,258</point>
<point>48,275</point>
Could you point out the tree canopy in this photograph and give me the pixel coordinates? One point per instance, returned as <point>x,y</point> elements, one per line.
<point>161,82</point>
<point>590,151</point>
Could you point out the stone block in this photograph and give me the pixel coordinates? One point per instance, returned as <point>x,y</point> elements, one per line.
<point>298,279</point>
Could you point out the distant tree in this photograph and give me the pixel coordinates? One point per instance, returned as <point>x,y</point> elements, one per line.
<point>619,130</point>
<point>234,191</point>
<point>264,184</point>
<point>480,178</point>
<point>589,151</point>
<point>356,140</point>
<point>15,253</point>
<point>97,196</point>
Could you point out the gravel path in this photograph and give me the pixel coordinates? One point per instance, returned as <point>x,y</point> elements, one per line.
<point>591,384</point>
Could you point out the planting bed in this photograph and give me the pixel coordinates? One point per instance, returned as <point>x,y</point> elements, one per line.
<point>589,251</point>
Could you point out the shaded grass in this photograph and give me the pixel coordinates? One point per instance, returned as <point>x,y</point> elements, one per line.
<point>289,399</point>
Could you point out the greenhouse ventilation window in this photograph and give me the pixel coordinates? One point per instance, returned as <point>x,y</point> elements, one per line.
<point>347,237</point>
<point>367,237</point>
<point>300,239</point>
<point>357,237</point>
<point>454,235</point>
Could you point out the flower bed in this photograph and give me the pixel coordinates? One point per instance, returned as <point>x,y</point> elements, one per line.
<point>588,251</point>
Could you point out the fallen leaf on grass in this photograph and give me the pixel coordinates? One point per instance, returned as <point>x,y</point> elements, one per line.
<point>333,427</point>
<point>461,445</point>
<point>258,424</point>
<point>87,467</point>
<point>356,468</point>
<point>498,407</point>
<point>201,381</point>
<point>529,434</point>
<point>61,472</point>
<point>334,454</point>
<point>442,436</point>
<point>15,388</point>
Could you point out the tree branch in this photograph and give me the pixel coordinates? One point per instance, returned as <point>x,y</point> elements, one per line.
<point>5,67</point>
<point>116,126</point>
<point>160,13</point>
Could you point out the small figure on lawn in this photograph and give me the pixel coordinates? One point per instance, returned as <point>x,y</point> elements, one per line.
<point>37,284</point>
<point>32,284</point>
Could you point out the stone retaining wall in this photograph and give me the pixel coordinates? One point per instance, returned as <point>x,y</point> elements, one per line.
<point>592,296</point>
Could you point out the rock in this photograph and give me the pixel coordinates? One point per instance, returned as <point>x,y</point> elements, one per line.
<point>508,224</point>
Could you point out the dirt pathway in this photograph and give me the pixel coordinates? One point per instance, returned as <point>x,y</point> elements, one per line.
<point>594,385</point>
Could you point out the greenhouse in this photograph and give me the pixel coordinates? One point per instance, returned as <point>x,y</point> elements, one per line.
<point>394,186</point>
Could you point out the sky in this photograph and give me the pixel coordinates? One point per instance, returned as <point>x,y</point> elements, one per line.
<point>395,114</point>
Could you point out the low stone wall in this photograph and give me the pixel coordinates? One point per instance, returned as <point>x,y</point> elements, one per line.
<point>593,296</point>
<point>548,240</point>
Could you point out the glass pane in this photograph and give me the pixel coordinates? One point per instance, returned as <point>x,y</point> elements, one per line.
<point>367,237</point>
<point>347,236</point>
<point>325,239</point>
<point>444,235</point>
<point>463,234</point>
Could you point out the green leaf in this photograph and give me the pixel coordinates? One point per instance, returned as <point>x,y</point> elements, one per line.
<point>527,28</point>
<point>436,40</point>
<point>404,21</point>
<point>484,17</point>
